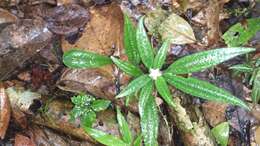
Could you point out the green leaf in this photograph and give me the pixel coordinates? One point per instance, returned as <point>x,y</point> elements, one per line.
<point>127,67</point>
<point>144,46</point>
<point>161,55</point>
<point>150,123</point>
<point>75,113</point>
<point>134,85</point>
<point>130,41</point>
<point>138,140</point>
<point>177,30</point>
<point>202,60</point>
<point>83,59</point>
<point>256,88</point>
<point>164,91</point>
<point>145,93</point>
<point>82,100</point>
<point>203,90</point>
<point>221,133</point>
<point>242,68</point>
<point>123,127</point>
<point>106,139</point>
<point>88,118</point>
<point>239,34</point>
<point>99,105</point>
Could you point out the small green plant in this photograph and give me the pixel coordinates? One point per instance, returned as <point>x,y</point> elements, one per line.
<point>139,49</point>
<point>111,140</point>
<point>85,108</point>
<point>251,71</point>
<point>221,133</point>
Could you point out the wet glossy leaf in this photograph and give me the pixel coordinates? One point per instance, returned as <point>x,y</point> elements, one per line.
<point>203,90</point>
<point>104,138</point>
<point>144,46</point>
<point>100,104</point>
<point>150,122</point>
<point>123,127</point>
<point>164,91</point>
<point>221,133</point>
<point>130,42</point>
<point>242,68</point>
<point>240,34</point>
<point>88,118</point>
<point>161,55</point>
<point>134,85</point>
<point>138,140</point>
<point>256,88</point>
<point>202,60</point>
<point>83,59</point>
<point>177,30</point>
<point>127,67</point>
<point>145,93</point>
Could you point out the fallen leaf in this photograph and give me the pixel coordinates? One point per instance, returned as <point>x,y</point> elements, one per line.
<point>6,17</point>
<point>19,42</point>
<point>66,19</point>
<point>177,30</point>
<point>5,112</point>
<point>103,33</point>
<point>257,135</point>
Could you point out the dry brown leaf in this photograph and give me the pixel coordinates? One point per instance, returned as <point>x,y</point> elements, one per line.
<point>5,112</point>
<point>103,33</point>
<point>6,17</point>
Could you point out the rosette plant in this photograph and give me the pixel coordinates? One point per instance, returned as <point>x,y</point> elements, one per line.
<point>153,79</point>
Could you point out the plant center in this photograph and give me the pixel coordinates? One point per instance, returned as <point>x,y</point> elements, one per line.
<point>155,73</point>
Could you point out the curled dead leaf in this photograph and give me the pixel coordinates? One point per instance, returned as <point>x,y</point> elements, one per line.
<point>5,112</point>
<point>6,17</point>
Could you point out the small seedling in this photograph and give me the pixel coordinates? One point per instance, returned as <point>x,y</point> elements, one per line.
<point>85,108</point>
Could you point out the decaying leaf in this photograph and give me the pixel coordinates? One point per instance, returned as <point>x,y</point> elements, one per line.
<point>153,20</point>
<point>67,19</point>
<point>5,112</point>
<point>177,30</point>
<point>19,42</point>
<point>98,82</point>
<point>103,33</point>
<point>6,17</point>
<point>22,99</point>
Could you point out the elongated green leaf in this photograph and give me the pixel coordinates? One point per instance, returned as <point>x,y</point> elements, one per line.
<point>161,55</point>
<point>134,85</point>
<point>177,30</point>
<point>221,133</point>
<point>138,140</point>
<point>203,90</point>
<point>242,68</point>
<point>164,91</point>
<point>145,93</point>
<point>130,41</point>
<point>144,46</point>
<point>150,122</point>
<point>88,118</point>
<point>240,34</point>
<point>127,67</point>
<point>83,59</point>
<point>124,128</point>
<point>106,139</point>
<point>202,60</point>
<point>100,104</point>
<point>256,87</point>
